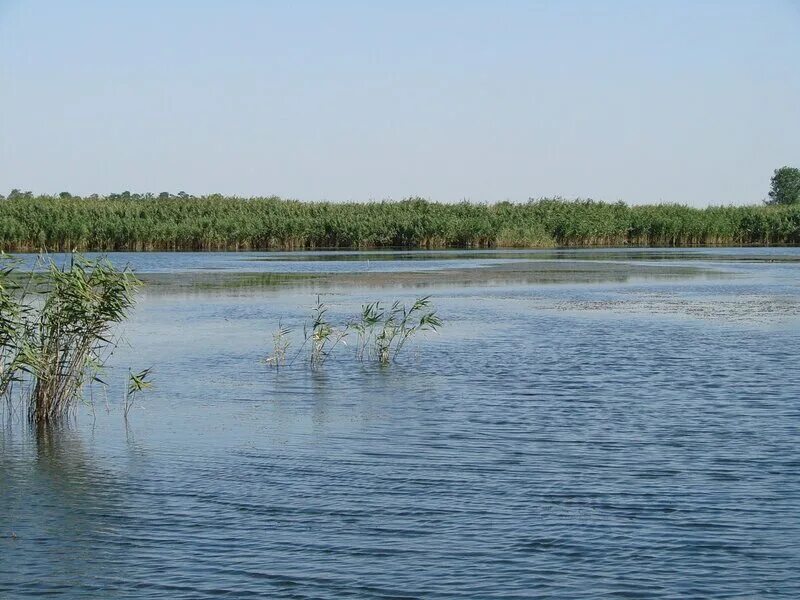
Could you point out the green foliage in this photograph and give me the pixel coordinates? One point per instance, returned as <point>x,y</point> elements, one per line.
<point>785,186</point>
<point>322,335</point>
<point>398,325</point>
<point>371,316</point>
<point>57,330</point>
<point>12,325</point>
<point>382,332</point>
<point>137,382</point>
<point>280,346</point>
<point>181,222</point>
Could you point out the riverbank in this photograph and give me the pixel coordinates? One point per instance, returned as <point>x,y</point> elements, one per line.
<point>143,223</point>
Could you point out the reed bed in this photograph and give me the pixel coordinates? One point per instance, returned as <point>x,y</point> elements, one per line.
<point>134,223</point>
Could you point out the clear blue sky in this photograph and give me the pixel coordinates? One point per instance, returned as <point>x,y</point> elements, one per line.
<point>679,101</point>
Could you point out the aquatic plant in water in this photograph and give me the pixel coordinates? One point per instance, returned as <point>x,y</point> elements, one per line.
<point>382,332</point>
<point>60,337</point>
<point>399,324</point>
<point>71,336</point>
<point>137,382</point>
<point>322,335</point>
<point>12,321</point>
<point>280,346</point>
<point>370,317</point>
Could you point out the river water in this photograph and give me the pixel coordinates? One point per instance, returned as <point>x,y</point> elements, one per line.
<point>587,424</point>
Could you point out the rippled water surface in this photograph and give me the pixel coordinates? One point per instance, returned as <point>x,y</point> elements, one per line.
<point>629,434</point>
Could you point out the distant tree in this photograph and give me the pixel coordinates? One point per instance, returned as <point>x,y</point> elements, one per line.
<point>65,195</point>
<point>126,195</point>
<point>163,196</point>
<point>16,194</point>
<point>785,186</point>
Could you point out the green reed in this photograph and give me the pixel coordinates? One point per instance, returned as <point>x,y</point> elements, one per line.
<point>387,330</point>
<point>57,333</point>
<point>13,314</point>
<point>142,222</point>
<point>280,346</point>
<point>321,335</point>
<point>137,383</point>
<point>382,332</point>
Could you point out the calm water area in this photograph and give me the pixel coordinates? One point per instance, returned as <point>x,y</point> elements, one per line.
<point>617,423</point>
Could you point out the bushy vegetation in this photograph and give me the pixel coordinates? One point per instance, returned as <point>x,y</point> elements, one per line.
<point>182,222</point>
<point>785,186</point>
<point>56,331</point>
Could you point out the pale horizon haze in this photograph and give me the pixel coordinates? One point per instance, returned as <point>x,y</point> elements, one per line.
<point>672,101</point>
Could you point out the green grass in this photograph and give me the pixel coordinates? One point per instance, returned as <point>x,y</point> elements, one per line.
<point>219,223</point>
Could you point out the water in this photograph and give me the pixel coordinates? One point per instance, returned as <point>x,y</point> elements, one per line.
<point>617,436</point>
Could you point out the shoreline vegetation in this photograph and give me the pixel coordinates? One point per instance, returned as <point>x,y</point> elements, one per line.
<point>133,222</point>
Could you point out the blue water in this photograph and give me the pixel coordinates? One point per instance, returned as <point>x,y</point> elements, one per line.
<point>615,439</point>
<point>335,261</point>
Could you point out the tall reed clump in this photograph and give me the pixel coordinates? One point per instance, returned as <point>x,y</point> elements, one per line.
<point>144,222</point>
<point>73,332</point>
<point>280,346</point>
<point>322,336</point>
<point>382,332</point>
<point>58,336</point>
<point>12,326</point>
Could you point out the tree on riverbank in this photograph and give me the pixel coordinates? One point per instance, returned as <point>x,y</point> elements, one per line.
<point>785,186</point>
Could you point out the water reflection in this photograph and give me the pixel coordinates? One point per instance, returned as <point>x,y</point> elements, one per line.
<point>57,499</point>
<point>518,273</point>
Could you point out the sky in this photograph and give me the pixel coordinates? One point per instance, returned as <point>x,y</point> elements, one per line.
<point>685,101</point>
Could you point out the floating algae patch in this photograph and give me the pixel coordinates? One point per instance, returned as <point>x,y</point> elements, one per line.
<point>531,272</point>
<point>733,308</point>
<point>211,281</point>
<point>520,272</point>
